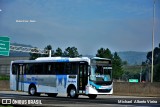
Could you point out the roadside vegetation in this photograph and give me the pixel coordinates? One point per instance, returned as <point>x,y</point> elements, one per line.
<point>131,72</point>
<point>6,106</point>
<point>4,77</point>
<point>73,52</point>
<point>121,69</point>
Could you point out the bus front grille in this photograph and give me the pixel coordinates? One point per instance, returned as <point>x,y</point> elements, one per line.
<point>103,90</point>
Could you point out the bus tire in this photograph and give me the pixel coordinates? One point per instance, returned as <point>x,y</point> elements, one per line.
<point>72,92</point>
<point>92,96</point>
<point>52,94</point>
<point>32,90</point>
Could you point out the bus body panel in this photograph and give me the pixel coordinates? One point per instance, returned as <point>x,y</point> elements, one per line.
<point>46,83</point>
<point>13,82</point>
<point>93,90</point>
<point>59,83</point>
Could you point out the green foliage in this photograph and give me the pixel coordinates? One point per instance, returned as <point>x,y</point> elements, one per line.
<point>6,106</point>
<point>156,56</point>
<point>104,53</point>
<point>124,63</point>
<point>117,66</point>
<point>71,52</point>
<point>116,61</point>
<point>58,52</point>
<point>157,73</point>
<point>4,77</point>
<point>131,72</point>
<point>34,55</point>
<point>49,47</point>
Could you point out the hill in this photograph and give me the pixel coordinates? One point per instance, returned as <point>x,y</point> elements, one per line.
<point>133,57</point>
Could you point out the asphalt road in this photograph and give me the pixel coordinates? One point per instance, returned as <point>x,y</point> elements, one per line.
<point>23,99</point>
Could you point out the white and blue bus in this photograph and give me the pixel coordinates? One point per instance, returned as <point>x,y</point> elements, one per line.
<point>54,75</point>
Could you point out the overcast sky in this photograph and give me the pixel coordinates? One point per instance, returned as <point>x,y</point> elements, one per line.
<point>120,25</point>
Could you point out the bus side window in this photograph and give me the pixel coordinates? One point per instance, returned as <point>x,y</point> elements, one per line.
<point>74,68</point>
<point>71,68</point>
<point>54,68</point>
<point>31,68</point>
<point>38,68</point>
<point>67,68</point>
<point>14,68</point>
<point>49,70</point>
<point>59,68</point>
<point>27,69</point>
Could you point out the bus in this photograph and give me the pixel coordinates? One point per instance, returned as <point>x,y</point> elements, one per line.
<point>62,75</point>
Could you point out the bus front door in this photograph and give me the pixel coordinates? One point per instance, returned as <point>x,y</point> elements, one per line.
<point>20,78</point>
<point>83,76</point>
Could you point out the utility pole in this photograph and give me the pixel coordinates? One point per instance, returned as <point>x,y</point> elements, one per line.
<point>140,78</point>
<point>153,41</point>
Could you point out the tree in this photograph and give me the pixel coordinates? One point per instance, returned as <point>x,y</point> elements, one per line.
<point>71,52</point>
<point>124,63</point>
<point>34,55</point>
<point>58,52</point>
<point>104,53</point>
<point>156,62</point>
<point>117,66</point>
<point>116,61</point>
<point>47,48</point>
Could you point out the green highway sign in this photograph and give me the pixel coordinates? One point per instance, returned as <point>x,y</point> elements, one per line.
<point>133,80</point>
<point>4,46</point>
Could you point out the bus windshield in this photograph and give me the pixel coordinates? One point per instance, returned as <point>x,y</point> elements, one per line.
<point>100,73</point>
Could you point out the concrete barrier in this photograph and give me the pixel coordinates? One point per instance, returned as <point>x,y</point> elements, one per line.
<point>119,88</point>
<point>137,89</point>
<point>4,85</point>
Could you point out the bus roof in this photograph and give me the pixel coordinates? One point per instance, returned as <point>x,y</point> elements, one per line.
<point>101,58</point>
<point>63,59</point>
<point>71,59</point>
<point>59,59</point>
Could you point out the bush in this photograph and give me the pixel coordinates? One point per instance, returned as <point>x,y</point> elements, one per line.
<point>4,77</point>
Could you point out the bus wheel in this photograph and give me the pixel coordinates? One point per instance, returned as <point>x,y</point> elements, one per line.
<point>92,96</point>
<point>52,94</point>
<point>72,93</point>
<point>32,90</point>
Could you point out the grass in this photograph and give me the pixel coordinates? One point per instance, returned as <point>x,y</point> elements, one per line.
<point>4,77</point>
<point>6,106</point>
<point>133,69</point>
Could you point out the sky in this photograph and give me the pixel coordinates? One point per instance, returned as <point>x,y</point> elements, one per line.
<point>120,25</point>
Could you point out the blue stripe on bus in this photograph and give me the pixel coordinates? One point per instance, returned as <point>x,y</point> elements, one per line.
<point>62,60</point>
<point>96,86</point>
